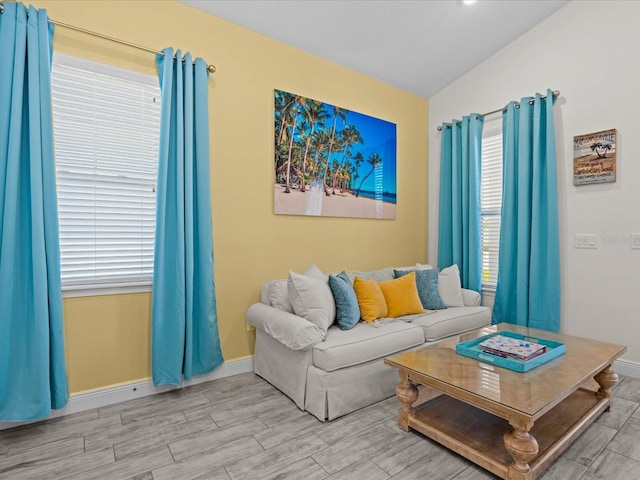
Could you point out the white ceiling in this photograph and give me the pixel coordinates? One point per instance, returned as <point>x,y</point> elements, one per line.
<point>417,45</point>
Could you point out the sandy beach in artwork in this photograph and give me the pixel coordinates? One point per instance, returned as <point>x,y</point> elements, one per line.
<point>315,202</point>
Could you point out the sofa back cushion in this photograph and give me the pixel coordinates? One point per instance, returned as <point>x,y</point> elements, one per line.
<point>378,275</point>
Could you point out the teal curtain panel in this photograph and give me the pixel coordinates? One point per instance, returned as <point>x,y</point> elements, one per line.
<point>459,206</point>
<point>33,373</point>
<point>184,340</point>
<point>528,289</point>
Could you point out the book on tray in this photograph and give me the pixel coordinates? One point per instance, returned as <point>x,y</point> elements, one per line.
<point>509,347</point>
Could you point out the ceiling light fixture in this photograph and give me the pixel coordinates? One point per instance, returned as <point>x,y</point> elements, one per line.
<point>469,2</point>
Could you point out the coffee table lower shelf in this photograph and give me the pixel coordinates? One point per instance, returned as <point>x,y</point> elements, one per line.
<point>478,435</point>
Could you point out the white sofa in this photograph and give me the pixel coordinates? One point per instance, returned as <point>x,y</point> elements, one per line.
<point>332,373</point>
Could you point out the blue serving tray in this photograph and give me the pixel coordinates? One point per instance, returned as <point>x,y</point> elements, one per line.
<point>472,349</point>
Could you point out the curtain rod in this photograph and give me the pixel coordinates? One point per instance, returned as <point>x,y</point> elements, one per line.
<point>556,93</point>
<point>210,68</point>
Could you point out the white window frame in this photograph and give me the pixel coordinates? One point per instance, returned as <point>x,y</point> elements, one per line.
<point>490,201</point>
<point>139,178</point>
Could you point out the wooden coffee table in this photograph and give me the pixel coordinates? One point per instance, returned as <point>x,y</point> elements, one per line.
<point>512,424</point>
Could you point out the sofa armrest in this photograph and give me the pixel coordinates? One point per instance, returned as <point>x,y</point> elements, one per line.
<point>292,331</point>
<point>471,298</point>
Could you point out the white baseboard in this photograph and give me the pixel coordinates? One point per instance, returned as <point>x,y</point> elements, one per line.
<point>122,393</point>
<point>625,367</point>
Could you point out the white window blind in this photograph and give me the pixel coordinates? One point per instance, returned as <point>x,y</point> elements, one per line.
<point>491,204</point>
<point>106,134</point>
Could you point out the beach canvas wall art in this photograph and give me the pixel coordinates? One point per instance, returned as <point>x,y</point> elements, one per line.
<point>330,161</point>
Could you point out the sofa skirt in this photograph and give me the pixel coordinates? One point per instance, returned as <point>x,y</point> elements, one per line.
<point>330,395</point>
<point>282,367</point>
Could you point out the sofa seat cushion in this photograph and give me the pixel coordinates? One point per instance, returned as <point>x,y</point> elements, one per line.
<point>452,321</point>
<point>363,343</point>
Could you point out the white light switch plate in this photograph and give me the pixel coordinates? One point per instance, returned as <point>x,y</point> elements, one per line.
<point>635,240</point>
<point>587,240</point>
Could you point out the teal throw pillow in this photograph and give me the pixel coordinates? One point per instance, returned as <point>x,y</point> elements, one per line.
<point>347,309</point>
<point>427,283</point>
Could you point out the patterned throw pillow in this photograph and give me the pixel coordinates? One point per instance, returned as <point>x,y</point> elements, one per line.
<point>427,284</point>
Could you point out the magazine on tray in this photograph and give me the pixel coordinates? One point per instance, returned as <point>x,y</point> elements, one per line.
<point>509,347</point>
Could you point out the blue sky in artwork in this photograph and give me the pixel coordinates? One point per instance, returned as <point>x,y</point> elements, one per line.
<point>379,137</point>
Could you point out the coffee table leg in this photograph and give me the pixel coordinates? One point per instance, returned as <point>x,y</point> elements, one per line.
<point>523,448</point>
<point>407,393</point>
<point>607,378</point>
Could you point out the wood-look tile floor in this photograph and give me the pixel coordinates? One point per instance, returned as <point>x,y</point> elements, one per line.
<point>242,428</point>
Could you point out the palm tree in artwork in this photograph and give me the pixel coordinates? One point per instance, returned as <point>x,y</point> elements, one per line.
<point>346,178</point>
<point>316,115</point>
<point>337,148</point>
<point>335,172</point>
<point>319,140</point>
<point>342,176</point>
<point>295,110</point>
<point>337,112</point>
<point>346,167</point>
<point>305,139</point>
<point>358,159</point>
<point>374,160</point>
<point>349,136</point>
<point>284,102</point>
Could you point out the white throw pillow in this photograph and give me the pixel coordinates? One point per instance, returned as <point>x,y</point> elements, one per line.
<point>279,295</point>
<point>311,297</point>
<point>314,272</point>
<point>449,286</point>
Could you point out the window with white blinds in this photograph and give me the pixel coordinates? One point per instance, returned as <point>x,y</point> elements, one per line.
<point>491,203</point>
<point>106,135</point>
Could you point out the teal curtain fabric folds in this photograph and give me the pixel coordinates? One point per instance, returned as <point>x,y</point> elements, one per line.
<point>459,208</point>
<point>528,290</point>
<point>185,338</point>
<point>33,373</point>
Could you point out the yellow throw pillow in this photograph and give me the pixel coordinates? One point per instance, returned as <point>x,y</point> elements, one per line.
<point>370,299</point>
<point>401,296</point>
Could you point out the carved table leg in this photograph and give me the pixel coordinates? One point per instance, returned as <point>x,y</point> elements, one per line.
<point>607,378</point>
<point>407,393</point>
<point>523,448</point>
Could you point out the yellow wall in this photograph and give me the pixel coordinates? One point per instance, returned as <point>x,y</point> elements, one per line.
<point>107,338</point>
